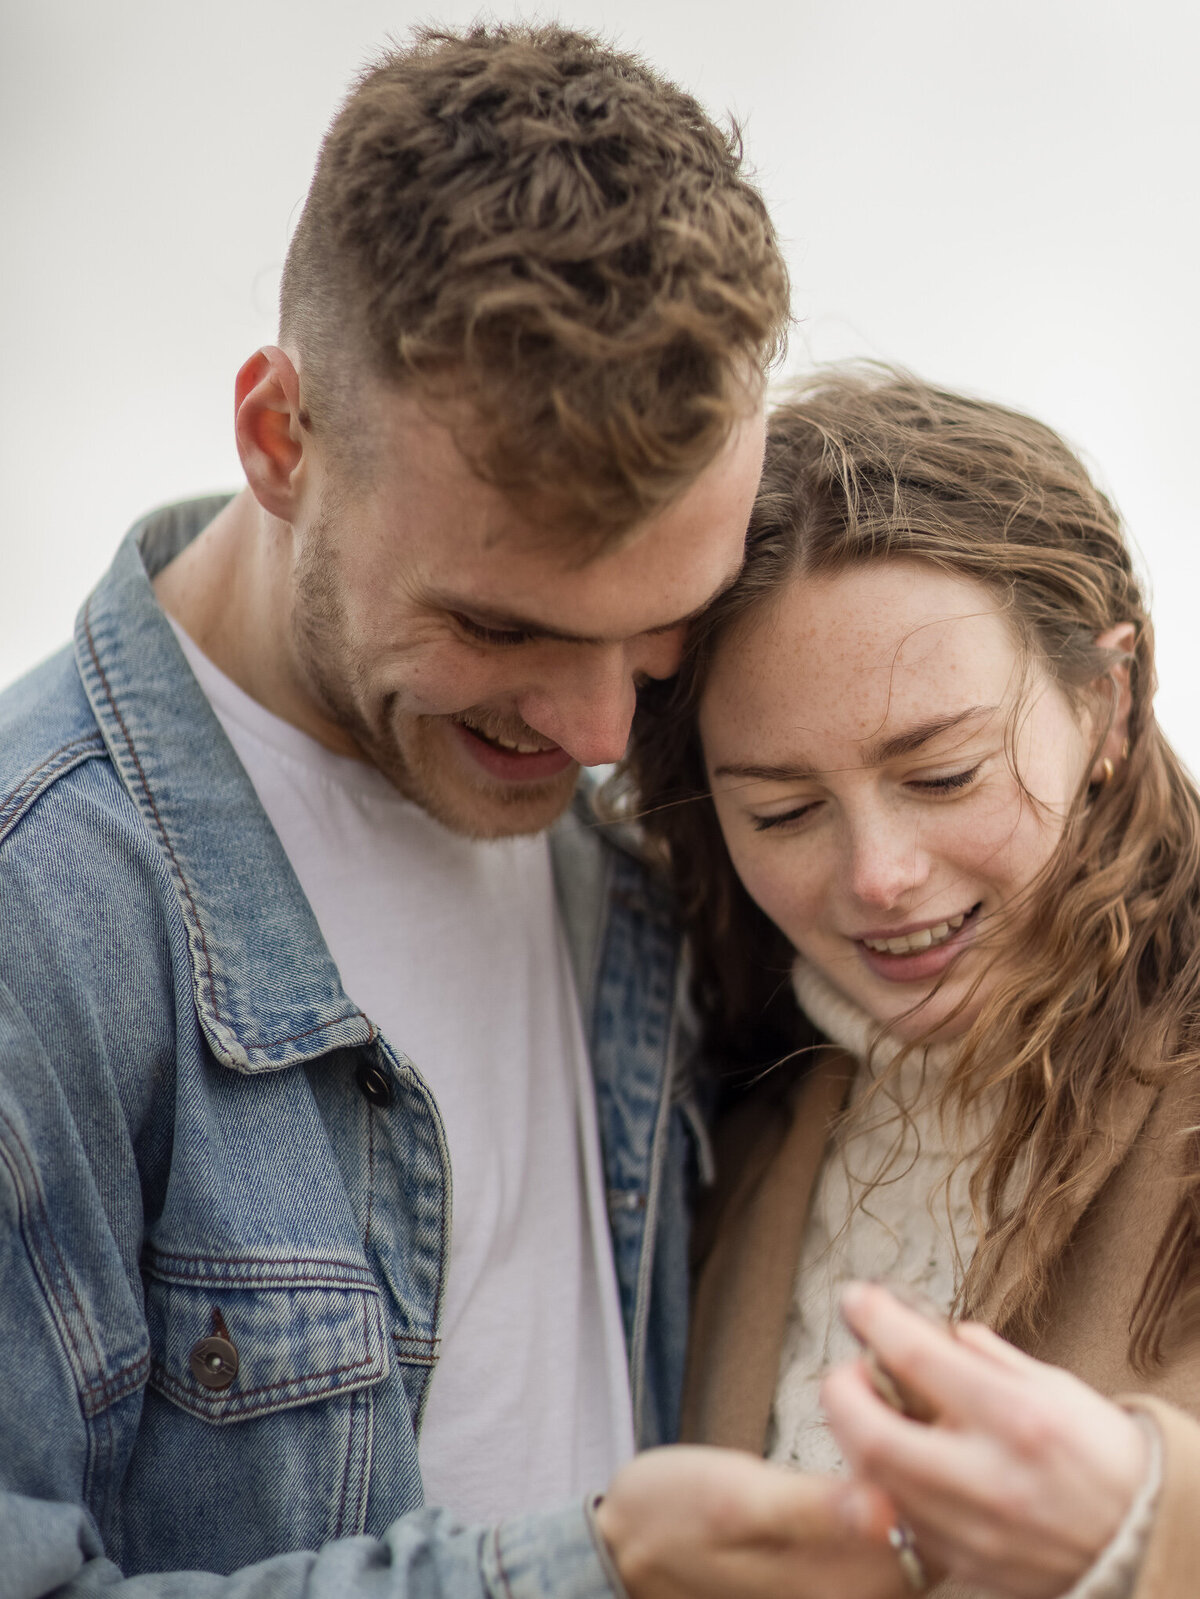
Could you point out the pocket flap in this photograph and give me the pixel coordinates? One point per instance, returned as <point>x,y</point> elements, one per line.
<point>261,1349</point>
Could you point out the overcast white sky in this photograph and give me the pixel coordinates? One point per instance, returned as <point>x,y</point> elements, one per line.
<point>1001,196</point>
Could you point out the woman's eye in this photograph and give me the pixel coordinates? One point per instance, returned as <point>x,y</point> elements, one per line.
<point>946,785</point>
<point>490,635</point>
<point>762,824</point>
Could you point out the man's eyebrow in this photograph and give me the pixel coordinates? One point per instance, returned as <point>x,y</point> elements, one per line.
<point>513,622</point>
<point>876,754</point>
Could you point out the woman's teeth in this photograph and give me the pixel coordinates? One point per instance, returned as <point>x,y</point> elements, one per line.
<point>925,939</point>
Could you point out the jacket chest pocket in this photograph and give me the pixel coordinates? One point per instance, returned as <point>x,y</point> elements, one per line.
<point>258,1422</point>
<point>226,1350</point>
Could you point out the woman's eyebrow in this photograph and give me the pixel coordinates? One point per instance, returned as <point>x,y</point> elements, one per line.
<point>885,749</point>
<point>911,738</point>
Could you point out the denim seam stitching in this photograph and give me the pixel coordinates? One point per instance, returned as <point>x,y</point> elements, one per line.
<point>354,1277</point>
<point>272,1279</point>
<point>500,1561</point>
<point>271,1284</point>
<point>363,1401</point>
<point>35,1193</point>
<point>89,746</point>
<point>121,1383</point>
<point>435,1342</point>
<point>169,1380</point>
<point>341,1515</point>
<point>370,1174</point>
<point>137,761</point>
<point>354,1412</point>
<point>80,741</point>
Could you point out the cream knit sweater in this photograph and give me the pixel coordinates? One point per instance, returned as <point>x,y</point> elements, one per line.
<point>914,1229</point>
<point>905,1232</point>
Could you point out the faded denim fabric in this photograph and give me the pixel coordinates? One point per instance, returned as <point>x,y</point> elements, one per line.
<point>182,1134</point>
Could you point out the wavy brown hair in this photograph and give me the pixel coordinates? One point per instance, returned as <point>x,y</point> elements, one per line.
<point>1103,985</point>
<point>526,221</point>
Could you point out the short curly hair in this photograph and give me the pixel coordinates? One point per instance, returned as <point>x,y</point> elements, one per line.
<point>527,220</point>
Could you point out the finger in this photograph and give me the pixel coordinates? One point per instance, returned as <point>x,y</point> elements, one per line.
<point>957,1380</point>
<point>866,1511</point>
<point>989,1344</point>
<point>754,1499</point>
<point>798,1507</point>
<point>897,1455</point>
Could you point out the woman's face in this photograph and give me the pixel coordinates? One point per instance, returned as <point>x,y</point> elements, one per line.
<point>857,736</point>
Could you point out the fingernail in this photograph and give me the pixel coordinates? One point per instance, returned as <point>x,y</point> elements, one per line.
<point>852,1295</point>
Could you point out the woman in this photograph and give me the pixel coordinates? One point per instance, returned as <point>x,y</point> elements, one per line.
<point>911,764</point>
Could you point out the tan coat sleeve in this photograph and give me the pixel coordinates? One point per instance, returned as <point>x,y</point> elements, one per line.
<point>1171,1566</point>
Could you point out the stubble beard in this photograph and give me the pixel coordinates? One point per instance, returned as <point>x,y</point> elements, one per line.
<point>419,766</point>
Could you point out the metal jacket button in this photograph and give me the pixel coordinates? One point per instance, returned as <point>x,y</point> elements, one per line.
<point>373,1084</point>
<point>214,1360</point>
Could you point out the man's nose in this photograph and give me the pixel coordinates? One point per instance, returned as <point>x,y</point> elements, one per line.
<point>657,654</point>
<point>586,705</point>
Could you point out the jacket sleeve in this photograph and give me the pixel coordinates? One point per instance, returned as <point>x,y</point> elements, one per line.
<point>1172,1558</point>
<point>53,1550</point>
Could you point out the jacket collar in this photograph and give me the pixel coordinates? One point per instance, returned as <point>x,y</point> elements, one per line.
<point>267,992</point>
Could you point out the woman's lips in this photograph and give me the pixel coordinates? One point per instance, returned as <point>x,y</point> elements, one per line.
<point>919,965</point>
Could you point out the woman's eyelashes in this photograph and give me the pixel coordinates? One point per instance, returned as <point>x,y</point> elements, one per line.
<point>763,823</point>
<point>949,783</point>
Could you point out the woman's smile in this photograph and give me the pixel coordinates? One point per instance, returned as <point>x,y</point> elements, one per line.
<point>917,954</point>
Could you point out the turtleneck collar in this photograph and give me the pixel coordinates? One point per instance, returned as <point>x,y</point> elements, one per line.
<point>850,1027</point>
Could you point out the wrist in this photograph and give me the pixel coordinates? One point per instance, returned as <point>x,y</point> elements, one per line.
<point>599,1521</point>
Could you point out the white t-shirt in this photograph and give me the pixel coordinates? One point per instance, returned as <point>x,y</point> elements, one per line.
<point>454,949</point>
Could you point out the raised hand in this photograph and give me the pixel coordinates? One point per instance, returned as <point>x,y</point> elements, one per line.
<point>1025,1472</point>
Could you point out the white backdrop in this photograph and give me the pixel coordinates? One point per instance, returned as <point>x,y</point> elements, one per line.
<point>1001,194</point>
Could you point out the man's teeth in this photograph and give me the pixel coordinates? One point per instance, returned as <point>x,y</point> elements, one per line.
<point>521,749</point>
<point>925,939</point>
<point>508,743</point>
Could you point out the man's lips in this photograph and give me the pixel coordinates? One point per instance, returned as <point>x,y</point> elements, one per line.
<point>920,951</point>
<point>508,764</point>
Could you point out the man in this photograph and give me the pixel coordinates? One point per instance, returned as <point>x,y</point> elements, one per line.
<point>287,960</point>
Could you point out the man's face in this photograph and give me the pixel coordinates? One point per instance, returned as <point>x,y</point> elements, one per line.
<point>466,657</point>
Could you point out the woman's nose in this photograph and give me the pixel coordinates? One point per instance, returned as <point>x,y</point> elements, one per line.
<point>885,862</point>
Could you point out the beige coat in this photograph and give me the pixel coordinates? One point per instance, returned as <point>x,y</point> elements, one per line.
<point>748,1241</point>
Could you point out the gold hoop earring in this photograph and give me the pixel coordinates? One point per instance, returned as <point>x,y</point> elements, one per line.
<point>1106,766</point>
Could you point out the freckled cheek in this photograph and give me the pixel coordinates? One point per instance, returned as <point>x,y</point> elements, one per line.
<point>788,886</point>
<point>1003,845</point>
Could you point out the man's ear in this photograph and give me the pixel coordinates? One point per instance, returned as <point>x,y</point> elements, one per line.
<point>269,428</point>
<point>1115,748</point>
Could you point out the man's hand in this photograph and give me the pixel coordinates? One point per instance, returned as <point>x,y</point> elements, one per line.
<point>687,1523</point>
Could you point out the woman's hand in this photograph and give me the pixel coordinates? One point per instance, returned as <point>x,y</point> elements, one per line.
<point>695,1523</point>
<point>1025,1473</point>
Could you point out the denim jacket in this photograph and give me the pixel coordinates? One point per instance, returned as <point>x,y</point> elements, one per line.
<point>224,1195</point>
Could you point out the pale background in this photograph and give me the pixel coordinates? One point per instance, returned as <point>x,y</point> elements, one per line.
<point>1000,193</point>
